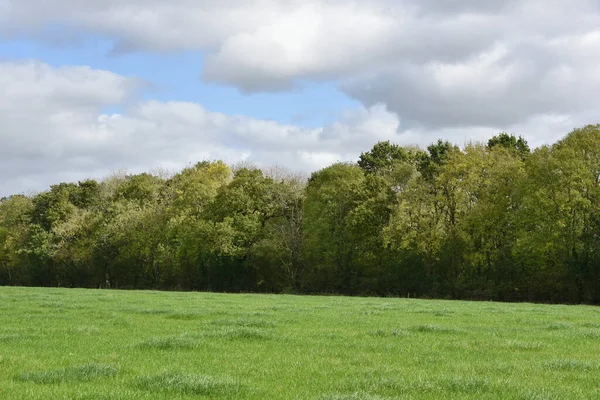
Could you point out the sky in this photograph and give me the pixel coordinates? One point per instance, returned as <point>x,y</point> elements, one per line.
<point>91,87</point>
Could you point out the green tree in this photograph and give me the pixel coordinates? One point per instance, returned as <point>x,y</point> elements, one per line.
<point>558,236</point>
<point>14,225</point>
<point>382,158</point>
<point>510,142</point>
<point>492,187</point>
<point>331,196</point>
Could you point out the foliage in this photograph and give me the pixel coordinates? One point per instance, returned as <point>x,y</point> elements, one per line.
<point>486,221</point>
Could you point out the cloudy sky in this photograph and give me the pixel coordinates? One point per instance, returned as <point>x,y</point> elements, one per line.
<point>88,87</point>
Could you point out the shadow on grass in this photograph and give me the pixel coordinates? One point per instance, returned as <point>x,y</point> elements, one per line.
<point>572,365</point>
<point>244,322</point>
<point>167,343</point>
<point>188,384</point>
<point>429,328</point>
<point>184,316</point>
<point>79,373</point>
<point>390,333</point>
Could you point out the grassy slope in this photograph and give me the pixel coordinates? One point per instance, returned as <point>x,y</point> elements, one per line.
<point>98,344</point>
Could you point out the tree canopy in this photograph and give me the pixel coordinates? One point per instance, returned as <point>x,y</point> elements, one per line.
<point>492,220</point>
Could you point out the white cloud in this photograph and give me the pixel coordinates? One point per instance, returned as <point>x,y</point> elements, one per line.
<point>436,64</point>
<point>53,129</point>
<point>460,70</point>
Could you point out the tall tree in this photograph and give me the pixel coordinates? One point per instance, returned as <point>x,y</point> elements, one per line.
<point>331,196</point>
<point>510,142</point>
<point>14,225</point>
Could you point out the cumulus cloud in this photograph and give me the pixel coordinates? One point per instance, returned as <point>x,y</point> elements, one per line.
<point>504,86</point>
<point>53,129</point>
<point>435,63</point>
<point>457,69</point>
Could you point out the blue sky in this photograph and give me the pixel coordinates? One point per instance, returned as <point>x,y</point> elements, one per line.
<point>88,88</point>
<point>175,76</point>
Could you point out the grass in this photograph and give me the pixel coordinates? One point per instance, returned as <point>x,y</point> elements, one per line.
<point>188,384</point>
<point>100,344</point>
<point>79,373</point>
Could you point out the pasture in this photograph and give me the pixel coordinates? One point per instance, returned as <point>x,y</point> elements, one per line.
<point>104,344</point>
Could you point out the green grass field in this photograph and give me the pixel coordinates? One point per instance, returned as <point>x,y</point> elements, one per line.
<point>100,344</point>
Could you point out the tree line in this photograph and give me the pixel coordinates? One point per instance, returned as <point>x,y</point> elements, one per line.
<point>490,220</point>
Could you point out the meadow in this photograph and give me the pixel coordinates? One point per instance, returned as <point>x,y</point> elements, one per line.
<point>108,344</point>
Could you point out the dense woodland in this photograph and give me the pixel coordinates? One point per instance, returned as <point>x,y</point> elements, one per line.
<point>488,221</point>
